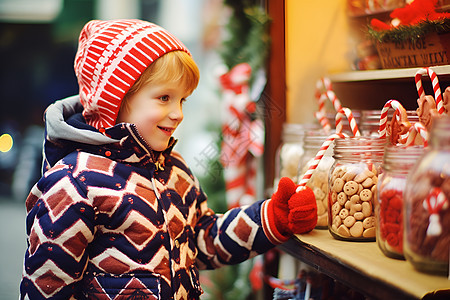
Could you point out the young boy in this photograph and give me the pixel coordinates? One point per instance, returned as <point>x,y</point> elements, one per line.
<point>117,213</point>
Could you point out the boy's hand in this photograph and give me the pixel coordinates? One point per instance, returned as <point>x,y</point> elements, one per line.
<point>302,211</point>
<point>294,212</point>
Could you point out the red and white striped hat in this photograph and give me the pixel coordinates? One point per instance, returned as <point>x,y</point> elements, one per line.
<point>111,56</point>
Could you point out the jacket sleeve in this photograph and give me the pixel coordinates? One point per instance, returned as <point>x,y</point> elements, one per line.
<point>60,225</point>
<point>237,235</point>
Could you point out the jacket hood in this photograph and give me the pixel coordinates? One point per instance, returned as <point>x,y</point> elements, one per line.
<point>66,131</point>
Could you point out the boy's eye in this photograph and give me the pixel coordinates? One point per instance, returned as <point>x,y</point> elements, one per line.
<point>164,98</point>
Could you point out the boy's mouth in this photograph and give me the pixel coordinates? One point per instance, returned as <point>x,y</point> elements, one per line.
<point>167,130</point>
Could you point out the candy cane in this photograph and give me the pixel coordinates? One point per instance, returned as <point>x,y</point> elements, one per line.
<point>321,114</point>
<point>412,133</point>
<point>436,87</point>
<point>348,113</point>
<point>384,114</point>
<point>334,99</point>
<point>326,144</point>
<point>323,84</point>
<point>434,203</point>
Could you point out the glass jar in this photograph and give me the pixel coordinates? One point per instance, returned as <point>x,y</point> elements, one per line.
<point>427,206</point>
<point>370,122</point>
<point>397,163</point>
<point>319,179</point>
<point>290,151</point>
<point>353,187</point>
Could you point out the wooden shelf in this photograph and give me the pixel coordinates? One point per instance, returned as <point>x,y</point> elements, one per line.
<point>389,74</point>
<point>371,89</point>
<point>363,267</point>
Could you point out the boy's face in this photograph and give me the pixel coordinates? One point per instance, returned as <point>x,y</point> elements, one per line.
<point>156,109</point>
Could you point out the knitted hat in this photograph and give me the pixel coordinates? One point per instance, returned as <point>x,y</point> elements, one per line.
<point>111,56</point>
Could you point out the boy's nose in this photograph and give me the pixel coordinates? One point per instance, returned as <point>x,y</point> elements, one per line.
<point>176,112</point>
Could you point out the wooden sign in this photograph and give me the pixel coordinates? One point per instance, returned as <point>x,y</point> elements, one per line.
<point>431,50</point>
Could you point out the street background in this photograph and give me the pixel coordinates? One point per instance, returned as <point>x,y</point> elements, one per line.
<point>12,247</point>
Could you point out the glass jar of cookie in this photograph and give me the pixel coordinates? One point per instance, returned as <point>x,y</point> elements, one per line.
<point>426,243</point>
<point>397,163</point>
<point>353,187</point>
<point>318,182</point>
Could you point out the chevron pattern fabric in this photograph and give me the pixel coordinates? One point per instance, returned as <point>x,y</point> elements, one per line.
<point>99,228</point>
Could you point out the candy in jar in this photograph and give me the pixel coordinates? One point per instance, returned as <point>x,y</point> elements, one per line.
<point>353,188</point>
<point>426,242</point>
<point>397,163</point>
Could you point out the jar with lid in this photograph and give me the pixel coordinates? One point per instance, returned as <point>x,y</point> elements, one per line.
<point>318,182</point>
<point>290,151</point>
<point>427,204</point>
<point>397,163</point>
<point>353,187</point>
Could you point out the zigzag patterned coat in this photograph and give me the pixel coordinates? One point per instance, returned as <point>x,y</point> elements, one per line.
<point>111,219</point>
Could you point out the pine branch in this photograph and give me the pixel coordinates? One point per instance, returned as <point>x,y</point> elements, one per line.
<point>410,32</point>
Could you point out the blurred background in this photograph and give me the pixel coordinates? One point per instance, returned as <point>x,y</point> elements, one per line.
<point>38,42</point>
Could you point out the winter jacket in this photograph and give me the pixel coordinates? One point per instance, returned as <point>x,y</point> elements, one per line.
<point>112,219</point>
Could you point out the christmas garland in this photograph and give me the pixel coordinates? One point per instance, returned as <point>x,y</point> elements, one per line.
<point>410,32</point>
<point>248,36</point>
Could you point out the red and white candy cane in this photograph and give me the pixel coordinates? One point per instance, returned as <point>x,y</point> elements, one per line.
<point>321,114</point>
<point>334,99</point>
<point>412,133</point>
<point>434,203</point>
<point>322,86</point>
<point>336,102</point>
<point>384,114</point>
<point>345,111</point>
<point>326,144</point>
<point>436,87</point>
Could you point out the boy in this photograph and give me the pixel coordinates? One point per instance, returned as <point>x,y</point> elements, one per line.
<point>118,214</point>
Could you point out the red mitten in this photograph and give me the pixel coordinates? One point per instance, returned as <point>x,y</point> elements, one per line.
<point>275,212</point>
<point>286,188</point>
<point>288,212</point>
<point>302,211</point>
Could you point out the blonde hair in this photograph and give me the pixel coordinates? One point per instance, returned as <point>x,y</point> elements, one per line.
<point>174,66</point>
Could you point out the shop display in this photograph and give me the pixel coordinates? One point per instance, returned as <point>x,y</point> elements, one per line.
<point>397,163</point>
<point>416,35</point>
<point>370,176</point>
<point>427,205</point>
<point>353,188</point>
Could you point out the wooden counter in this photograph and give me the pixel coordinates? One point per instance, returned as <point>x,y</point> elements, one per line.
<point>363,267</point>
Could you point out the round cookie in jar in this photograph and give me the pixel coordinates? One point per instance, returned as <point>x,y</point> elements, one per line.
<point>397,163</point>
<point>426,242</point>
<point>318,182</point>
<point>353,187</point>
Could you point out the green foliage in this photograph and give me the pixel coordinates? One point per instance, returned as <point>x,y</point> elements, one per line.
<point>212,182</point>
<point>248,37</point>
<point>410,32</point>
<point>229,282</point>
<point>247,41</point>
